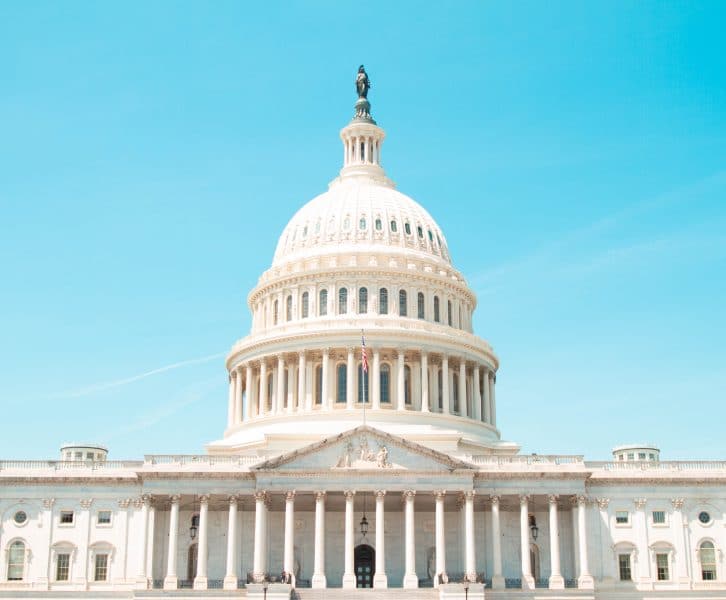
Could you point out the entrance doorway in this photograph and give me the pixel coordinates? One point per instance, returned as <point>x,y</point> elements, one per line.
<point>365,566</point>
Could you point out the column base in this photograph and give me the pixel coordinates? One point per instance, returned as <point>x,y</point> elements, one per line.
<point>527,582</point>
<point>410,581</point>
<point>230,582</point>
<point>557,582</point>
<point>319,582</point>
<point>141,583</point>
<point>380,581</point>
<point>585,582</point>
<point>498,582</point>
<point>200,583</point>
<point>349,581</point>
<point>171,583</point>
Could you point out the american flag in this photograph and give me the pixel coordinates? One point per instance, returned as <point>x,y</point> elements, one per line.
<point>363,353</point>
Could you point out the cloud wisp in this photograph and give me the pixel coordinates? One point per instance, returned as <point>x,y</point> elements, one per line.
<point>107,385</point>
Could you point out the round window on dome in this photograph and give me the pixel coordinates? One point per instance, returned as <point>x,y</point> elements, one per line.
<point>20,517</point>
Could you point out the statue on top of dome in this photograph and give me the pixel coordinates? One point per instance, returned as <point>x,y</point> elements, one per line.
<point>362,83</point>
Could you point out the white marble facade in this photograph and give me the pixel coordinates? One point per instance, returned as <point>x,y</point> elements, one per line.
<point>313,444</point>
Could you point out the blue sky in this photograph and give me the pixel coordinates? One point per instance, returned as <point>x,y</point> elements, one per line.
<point>573,153</point>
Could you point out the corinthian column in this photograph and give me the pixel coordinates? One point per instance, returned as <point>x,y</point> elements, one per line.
<point>497,577</point>
<point>288,559</point>
<point>349,581</point>
<point>280,384</point>
<point>142,581</point>
<point>470,556</point>
<point>350,380</point>
<point>250,410</point>
<point>319,580</point>
<point>556,580</point>
<point>230,577</point>
<point>238,398</point>
<point>301,388</point>
<point>463,408</point>
<point>380,580</point>
<point>527,579</point>
<point>445,404</point>
<point>585,580</point>
<point>440,540</point>
<point>325,393</point>
<point>424,382</point>
<point>410,580</point>
<point>171,581</point>
<point>263,388</point>
<point>476,403</point>
<point>401,379</point>
<point>200,581</point>
<point>259,562</point>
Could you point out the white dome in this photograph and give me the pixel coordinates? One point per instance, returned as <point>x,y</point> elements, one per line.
<point>357,215</point>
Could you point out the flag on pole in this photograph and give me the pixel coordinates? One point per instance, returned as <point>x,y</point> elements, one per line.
<point>364,356</point>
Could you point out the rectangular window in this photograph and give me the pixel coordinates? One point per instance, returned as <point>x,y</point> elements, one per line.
<point>622,517</point>
<point>100,571</point>
<point>62,567</point>
<point>661,563</point>
<point>624,567</point>
<point>659,517</point>
<point>641,455</point>
<point>66,517</point>
<point>104,517</point>
<point>631,456</point>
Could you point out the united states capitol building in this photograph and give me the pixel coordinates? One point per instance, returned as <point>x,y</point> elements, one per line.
<point>346,466</point>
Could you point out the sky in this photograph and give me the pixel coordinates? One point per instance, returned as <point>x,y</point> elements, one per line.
<point>573,153</point>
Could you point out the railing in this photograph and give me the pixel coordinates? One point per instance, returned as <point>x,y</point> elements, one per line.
<point>541,583</point>
<point>513,584</point>
<point>570,583</point>
<point>533,460</point>
<point>200,460</point>
<point>664,465</point>
<point>67,465</point>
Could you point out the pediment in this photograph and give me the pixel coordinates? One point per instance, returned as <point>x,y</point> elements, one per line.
<point>363,449</point>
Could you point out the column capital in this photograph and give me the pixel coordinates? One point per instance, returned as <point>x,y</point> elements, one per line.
<point>409,494</point>
<point>573,501</point>
<point>319,495</point>
<point>146,499</point>
<point>552,498</point>
<point>380,493</point>
<point>233,373</point>
<point>524,499</point>
<point>86,503</point>
<point>175,498</point>
<point>233,499</point>
<point>123,503</point>
<point>603,503</point>
<point>640,503</point>
<point>290,495</point>
<point>439,494</point>
<point>582,500</point>
<point>260,495</point>
<point>495,499</point>
<point>469,494</point>
<point>349,494</point>
<point>204,499</point>
<point>677,503</point>
<point>326,352</point>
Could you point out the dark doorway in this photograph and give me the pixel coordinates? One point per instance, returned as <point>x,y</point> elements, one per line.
<point>365,566</point>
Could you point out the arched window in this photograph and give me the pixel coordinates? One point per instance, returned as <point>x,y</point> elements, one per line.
<point>440,386</point>
<point>407,396</point>
<point>288,308</point>
<point>16,561</point>
<point>448,313</point>
<point>363,390</point>
<point>455,392</point>
<point>287,388</point>
<point>270,401</point>
<point>342,381</point>
<point>385,384</point>
<point>275,312</point>
<point>318,385</point>
<point>342,301</point>
<point>323,303</point>
<point>363,300</point>
<point>437,315</point>
<point>383,301</point>
<point>402,303</point>
<point>362,223</point>
<point>305,305</point>
<point>407,228</point>
<point>419,230</point>
<point>394,227</point>
<point>421,306</point>
<point>379,225</point>
<point>707,557</point>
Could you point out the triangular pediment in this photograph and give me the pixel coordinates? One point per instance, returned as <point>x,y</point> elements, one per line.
<point>364,448</point>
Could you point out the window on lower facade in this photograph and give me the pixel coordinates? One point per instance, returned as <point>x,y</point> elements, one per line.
<point>659,517</point>
<point>383,301</point>
<point>385,384</point>
<point>455,392</point>
<point>624,567</point>
<point>661,564</point>
<point>622,517</point>
<point>448,313</point>
<point>707,554</point>
<point>62,566</point>
<point>104,517</point>
<point>100,571</point>
<point>16,561</point>
<point>66,517</point>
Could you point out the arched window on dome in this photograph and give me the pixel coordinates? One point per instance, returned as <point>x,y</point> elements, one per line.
<point>16,561</point>
<point>448,312</point>
<point>440,388</point>
<point>421,306</point>
<point>275,311</point>
<point>455,392</point>
<point>305,232</point>
<point>288,308</point>
<point>362,224</point>
<point>317,226</point>
<point>363,390</point>
<point>305,305</point>
<point>362,300</point>
<point>383,301</point>
<point>323,303</point>
<point>407,228</point>
<point>342,301</point>
<point>385,384</point>
<point>407,396</point>
<point>431,236</point>
<point>403,303</point>
<point>707,558</point>
<point>342,383</point>
<point>419,230</point>
<point>319,385</point>
<point>379,225</point>
<point>437,311</point>
<point>346,223</point>
<point>394,226</point>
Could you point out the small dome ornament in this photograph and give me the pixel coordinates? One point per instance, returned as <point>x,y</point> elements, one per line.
<point>362,106</point>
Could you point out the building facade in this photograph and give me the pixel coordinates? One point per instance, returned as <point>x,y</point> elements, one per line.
<point>362,450</point>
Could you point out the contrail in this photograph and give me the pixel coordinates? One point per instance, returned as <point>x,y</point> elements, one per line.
<point>119,382</point>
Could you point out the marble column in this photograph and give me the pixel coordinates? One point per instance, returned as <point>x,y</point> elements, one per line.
<point>470,556</point>
<point>584,580</point>
<point>497,577</point>
<point>259,560</point>
<point>280,391</point>
<point>350,380</point>
<point>476,402</point>
<point>445,404</point>
<point>487,405</point>
<point>463,407</point>
<point>247,399</point>
<point>301,387</point>
<point>440,538</point>
<point>200,581</point>
<point>424,382</point>
<point>142,581</point>
<point>319,580</point>
<point>288,558</point>
<point>290,388</point>
<point>230,408</point>
<point>349,580</point>
<point>230,577</point>
<point>679,533</point>
<point>380,579</point>
<point>263,388</point>
<point>556,582</point>
<point>527,579</point>
<point>238,397</point>
<point>492,398</point>
<point>325,391</point>
<point>376,379</point>
<point>171,581</point>
<point>401,382</point>
<point>410,580</point>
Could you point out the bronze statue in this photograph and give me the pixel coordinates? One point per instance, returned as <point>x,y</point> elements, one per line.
<point>362,83</point>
